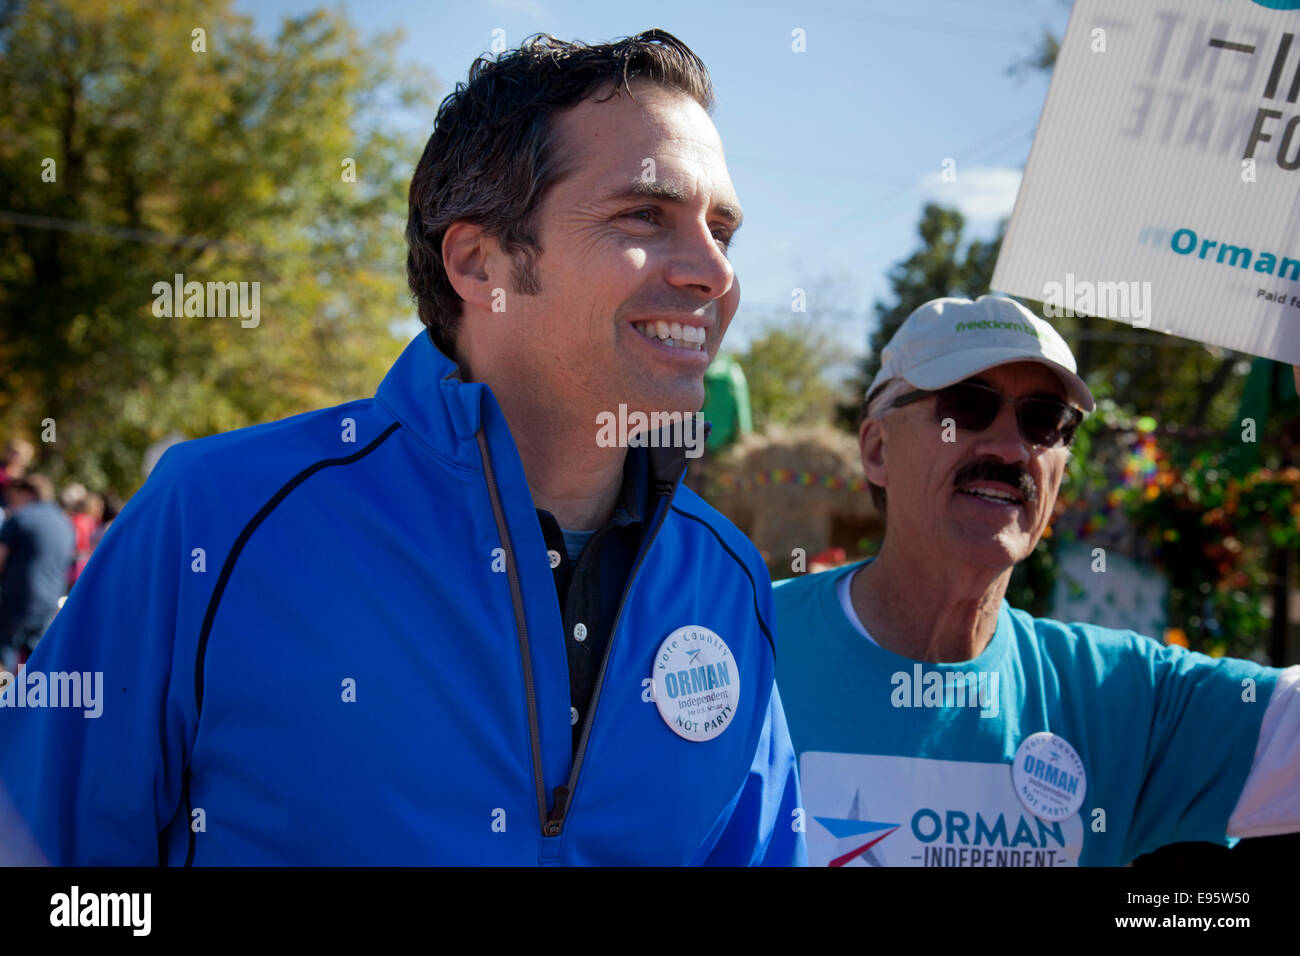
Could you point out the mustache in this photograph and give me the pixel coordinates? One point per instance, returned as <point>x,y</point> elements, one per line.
<point>990,469</point>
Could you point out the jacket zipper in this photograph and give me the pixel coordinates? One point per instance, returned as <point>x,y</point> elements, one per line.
<point>521,625</point>
<point>555,822</point>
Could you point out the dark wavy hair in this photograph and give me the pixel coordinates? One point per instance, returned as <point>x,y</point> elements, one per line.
<point>493,153</point>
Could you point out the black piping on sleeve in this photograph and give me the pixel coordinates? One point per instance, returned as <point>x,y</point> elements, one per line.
<point>753,586</point>
<point>227,569</point>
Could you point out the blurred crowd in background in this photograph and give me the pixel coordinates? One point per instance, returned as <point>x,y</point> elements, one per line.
<point>46,538</point>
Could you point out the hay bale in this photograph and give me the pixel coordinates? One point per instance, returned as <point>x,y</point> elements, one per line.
<point>762,483</point>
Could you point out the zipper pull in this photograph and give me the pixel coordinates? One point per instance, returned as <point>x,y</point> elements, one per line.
<point>555,821</point>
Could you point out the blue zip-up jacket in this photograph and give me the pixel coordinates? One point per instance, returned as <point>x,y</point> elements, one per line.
<point>335,639</point>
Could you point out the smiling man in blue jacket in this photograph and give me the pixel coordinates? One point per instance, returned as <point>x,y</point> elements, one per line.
<point>461,621</point>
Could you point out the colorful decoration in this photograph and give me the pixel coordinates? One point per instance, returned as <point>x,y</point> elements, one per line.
<point>785,476</point>
<point>1212,534</point>
<point>1143,463</point>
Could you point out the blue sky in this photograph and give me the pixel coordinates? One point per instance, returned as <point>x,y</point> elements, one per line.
<point>833,151</point>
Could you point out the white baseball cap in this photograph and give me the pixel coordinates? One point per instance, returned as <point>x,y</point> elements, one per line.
<point>948,340</point>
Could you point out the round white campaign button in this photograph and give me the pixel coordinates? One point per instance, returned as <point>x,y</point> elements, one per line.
<point>696,683</point>
<point>554,557</point>
<point>580,632</point>
<point>1048,776</point>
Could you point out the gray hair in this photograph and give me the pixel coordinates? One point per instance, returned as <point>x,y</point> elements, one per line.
<point>881,400</point>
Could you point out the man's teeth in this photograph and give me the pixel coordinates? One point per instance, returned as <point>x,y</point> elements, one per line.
<point>673,334</point>
<point>992,494</point>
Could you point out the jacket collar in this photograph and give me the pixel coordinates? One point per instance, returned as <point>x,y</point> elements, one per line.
<point>423,390</point>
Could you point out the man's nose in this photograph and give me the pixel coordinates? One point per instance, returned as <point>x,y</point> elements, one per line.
<point>698,261</point>
<point>1002,438</point>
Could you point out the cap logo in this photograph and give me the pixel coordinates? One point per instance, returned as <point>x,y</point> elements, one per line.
<point>995,324</point>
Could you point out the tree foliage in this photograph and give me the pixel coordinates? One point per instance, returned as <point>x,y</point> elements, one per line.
<point>1143,371</point>
<point>784,367</point>
<point>947,263</point>
<point>219,156</point>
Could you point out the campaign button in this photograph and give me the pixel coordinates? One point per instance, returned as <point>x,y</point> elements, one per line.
<point>696,683</point>
<point>1048,776</point>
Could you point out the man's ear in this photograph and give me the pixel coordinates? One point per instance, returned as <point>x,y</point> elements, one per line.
<point>474,264</point>
<point>871,443</point>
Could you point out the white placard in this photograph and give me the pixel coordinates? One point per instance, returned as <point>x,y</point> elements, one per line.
<point>1163,187</point>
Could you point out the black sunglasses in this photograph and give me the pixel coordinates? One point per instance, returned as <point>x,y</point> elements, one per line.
<point>974,406</point>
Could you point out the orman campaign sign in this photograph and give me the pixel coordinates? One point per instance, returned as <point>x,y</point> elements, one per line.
<point>1163,187</point>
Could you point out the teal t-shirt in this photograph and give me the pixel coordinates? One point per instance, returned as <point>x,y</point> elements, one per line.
<point>908,764</point>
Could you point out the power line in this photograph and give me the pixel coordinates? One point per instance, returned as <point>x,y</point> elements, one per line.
<point>143,235</point>
<point>123,232</point>
<point>989,146</point>
<point>974,154</point>
<point>902,189</point>
<point>1015,7</point>
<point>904,23</point>
<point>127,234</point>
<point>1151,337</point>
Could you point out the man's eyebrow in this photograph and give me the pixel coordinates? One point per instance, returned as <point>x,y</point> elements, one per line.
<point>668,191</point>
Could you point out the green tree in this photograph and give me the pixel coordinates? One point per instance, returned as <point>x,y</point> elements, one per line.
<point>784,368</point>
<point>133,148</point>
<point>1196,388</point>
<point>947,263</point>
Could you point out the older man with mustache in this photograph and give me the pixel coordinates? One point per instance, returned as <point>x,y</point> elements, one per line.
<point>938,726</point>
